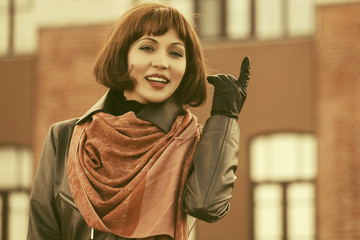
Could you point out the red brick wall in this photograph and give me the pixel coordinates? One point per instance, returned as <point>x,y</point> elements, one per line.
<point>338,121</point>
<point>65,87</point>
<point>17,76</point>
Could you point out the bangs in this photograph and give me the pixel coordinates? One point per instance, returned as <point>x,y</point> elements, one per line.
<point>158,21</point>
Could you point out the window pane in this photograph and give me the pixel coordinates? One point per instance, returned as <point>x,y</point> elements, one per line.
<point>4,34</point>
<point>25,35</point>
<point>16,167</point>
<point>186,7</point>
<point>268,18</point>
<point>301,211</point>
<point>259,165</point>
<point>18,211</point>
<point>268,212</point>
<point>307,167</point>
<point>55,13</point>
<point>301,17</point>
<point>283,157</point>
<point>210,18</point>
<point>284,149</point>
<point>238,18</point>
<point>21,3</point>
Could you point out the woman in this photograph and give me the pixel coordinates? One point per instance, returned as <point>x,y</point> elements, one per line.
<point>134,166</point>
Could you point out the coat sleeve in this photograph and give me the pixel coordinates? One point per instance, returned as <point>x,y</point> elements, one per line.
<point>210,184</point>
<point>43,217</point>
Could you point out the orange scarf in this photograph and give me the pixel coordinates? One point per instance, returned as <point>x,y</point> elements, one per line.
<point>127,176</point>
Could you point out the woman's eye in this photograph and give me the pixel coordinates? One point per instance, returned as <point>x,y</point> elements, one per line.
<point>147,48</point>
<point>176,54</point>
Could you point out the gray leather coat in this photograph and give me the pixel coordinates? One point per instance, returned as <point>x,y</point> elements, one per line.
<point>54,214</point>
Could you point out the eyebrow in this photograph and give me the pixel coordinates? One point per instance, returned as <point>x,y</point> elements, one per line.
<point>155,41</point>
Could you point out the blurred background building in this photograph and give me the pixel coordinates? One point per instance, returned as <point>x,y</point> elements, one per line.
<point>299,164</point>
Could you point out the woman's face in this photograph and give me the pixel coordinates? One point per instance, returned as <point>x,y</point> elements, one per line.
<point>158,64</point>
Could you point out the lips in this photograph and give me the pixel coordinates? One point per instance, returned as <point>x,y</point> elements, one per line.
<point>157,81</point>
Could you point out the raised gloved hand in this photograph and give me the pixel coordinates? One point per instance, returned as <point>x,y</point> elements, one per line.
<point>230,93</point>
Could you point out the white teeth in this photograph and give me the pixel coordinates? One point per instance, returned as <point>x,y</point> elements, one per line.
<point>157,79</point>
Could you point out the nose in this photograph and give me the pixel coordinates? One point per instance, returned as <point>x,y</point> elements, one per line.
<point>160,61</point>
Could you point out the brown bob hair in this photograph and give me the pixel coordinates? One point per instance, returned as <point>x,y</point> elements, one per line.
<point>111,67</point>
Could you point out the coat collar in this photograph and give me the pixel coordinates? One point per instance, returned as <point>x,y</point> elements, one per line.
<point>162,114</point>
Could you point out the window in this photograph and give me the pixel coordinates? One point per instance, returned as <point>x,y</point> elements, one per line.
<point>269,18</point>
<point>238,19</point>
<point>283,172</point>
<point>17,28</point>
<point>186,7</point>
<point>16,169</point>
<point>210,21</point>
<point>301,17</point>
<point>278,18</point>
<point>262,19</point>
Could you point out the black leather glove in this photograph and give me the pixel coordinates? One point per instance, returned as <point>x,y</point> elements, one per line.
<point>230,93</point>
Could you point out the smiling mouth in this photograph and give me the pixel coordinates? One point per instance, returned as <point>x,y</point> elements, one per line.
<point>157,79</point>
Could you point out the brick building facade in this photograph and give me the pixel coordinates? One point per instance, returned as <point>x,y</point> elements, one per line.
<point>66,87</point>
<point>338,121</point>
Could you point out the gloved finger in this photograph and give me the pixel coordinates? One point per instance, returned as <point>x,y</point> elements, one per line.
<point>211,79</point>
<point>217,80</point>
<point>245,72</point>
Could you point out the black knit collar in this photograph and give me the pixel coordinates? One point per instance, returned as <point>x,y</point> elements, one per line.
<point>161,114</point>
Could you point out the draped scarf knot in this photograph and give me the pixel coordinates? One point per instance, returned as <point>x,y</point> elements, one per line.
<point>127,176</point>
